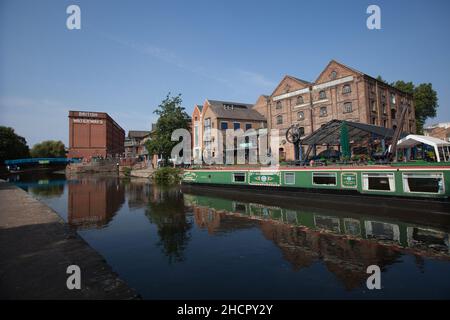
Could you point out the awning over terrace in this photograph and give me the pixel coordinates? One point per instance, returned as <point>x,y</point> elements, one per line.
<point>441,147</point>
<point>330,133</point>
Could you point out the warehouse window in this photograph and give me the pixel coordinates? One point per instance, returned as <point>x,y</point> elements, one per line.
<point>378,181</point>
<point>239,177</point>
<point>324,178</point>
<point>322,95</point>
<point>346,89</point>
<point>224,125</point>
<point>423,182</point>
<point>280,119</point>
<point>289,178</point>
<point>348,107</point>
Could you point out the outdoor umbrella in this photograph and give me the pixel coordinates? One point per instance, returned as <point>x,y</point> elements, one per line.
<point>345,145</point>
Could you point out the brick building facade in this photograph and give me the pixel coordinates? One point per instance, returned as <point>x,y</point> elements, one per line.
<point>438,130</point>
<point>94,134</point>
<point>339,92</point>
<point>222,115</point>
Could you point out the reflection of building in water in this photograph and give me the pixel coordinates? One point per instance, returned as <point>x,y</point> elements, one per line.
<point>346,245</point>
<point>422,238</point>
<point>138,193</point>
<point>219,221</point>
<point>93,203</point>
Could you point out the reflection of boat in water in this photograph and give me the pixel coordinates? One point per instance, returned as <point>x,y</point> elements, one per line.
<point>346,243</point>
<point>423,239</point>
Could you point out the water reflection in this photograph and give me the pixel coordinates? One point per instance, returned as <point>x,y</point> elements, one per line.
<point>92,204</point>
<point>346,245</point>
<point>237,239</point>
<point>166,211</point>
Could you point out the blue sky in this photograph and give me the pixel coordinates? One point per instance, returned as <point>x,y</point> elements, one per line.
<point>129,54</point>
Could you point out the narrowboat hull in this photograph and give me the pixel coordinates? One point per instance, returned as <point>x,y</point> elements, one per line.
<point>405,181</point>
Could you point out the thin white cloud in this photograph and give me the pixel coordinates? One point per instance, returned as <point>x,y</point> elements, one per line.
<point>256,79</point>
<point>167,56</point>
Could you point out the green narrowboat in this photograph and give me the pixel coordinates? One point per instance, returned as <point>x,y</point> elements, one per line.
<point>430,181</point>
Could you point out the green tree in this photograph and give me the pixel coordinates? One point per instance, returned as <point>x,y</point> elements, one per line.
<point>48,149</point>
<point>12,146</point>
<point>426,103</point>
<point>171,117</point>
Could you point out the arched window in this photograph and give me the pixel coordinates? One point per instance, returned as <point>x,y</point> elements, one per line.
<point>278,105</point>
<point>333,75</point>
<point>322,95</point>
<point>300,100</point>
<point>346,89</point>
<point>300,115</point>
<point>323,112</point>
<point>280,119</point>
<point>348,107</point>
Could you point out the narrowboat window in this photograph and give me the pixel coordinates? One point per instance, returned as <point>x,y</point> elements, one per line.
<point>378,181</point>
<point>291,216</point>
<point>289,178</point>
<point>239,177</point>
<point>324,178</point>
<point>423,182</point>
<point>240,207</point>
<point>382,231</point>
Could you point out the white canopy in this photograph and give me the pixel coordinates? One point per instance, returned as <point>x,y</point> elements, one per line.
<point>441,147</point>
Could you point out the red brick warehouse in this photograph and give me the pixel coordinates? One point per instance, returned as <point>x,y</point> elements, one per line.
<point>94,134</point>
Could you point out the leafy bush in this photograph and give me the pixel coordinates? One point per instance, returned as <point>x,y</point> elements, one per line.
<point>127,171</point>
<point>167,175</point>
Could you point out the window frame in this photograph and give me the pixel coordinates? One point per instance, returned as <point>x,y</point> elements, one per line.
<point>324,173</point>
<point>278,119</point>
<point>365,182</point>
<point>234,177</point>
<point>405,183</point>
<point>345,105</point>
<point>223,122</point>
<point>322,94</point>
<point>278,104</point>
<point>344,89</point>
<point>293,177</point>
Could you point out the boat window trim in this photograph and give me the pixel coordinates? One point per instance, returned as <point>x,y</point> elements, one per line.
<point>289,173</point>
<point>365,182</point>
<point>327,185</point>
<point>245,177</point>
<point>406,184</point>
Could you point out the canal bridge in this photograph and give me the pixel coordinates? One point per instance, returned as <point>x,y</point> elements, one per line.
<point>19,164</point>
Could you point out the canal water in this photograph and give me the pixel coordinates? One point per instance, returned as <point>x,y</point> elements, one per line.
<point>197,243</point>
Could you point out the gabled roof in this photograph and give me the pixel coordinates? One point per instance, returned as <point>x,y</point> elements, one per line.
<point>240,111</point>
<point>342,65</point>
<point>200,107</point>
<point>303,82</point>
